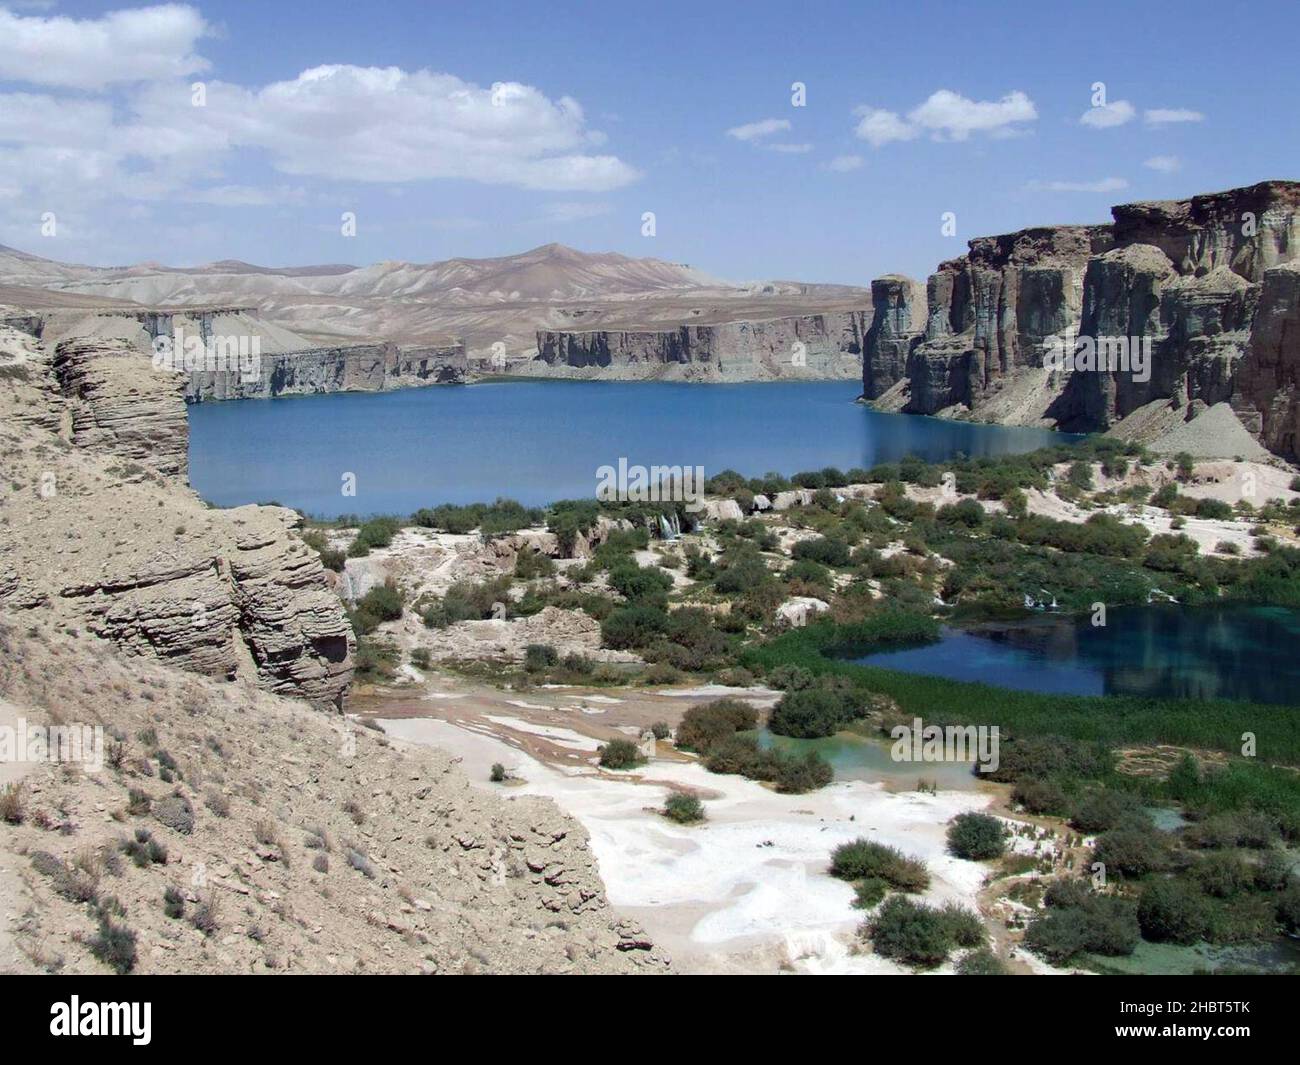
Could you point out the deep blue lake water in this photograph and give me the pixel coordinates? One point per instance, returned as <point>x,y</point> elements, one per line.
<point>539,441</point>
<point>1204,652</point>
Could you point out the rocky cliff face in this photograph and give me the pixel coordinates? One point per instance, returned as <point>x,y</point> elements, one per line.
<point>1207,283</point>
<point>353,368</point>
<point>816,346</point>
<point>100,531</point>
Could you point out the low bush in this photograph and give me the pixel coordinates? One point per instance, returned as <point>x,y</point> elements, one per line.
<point>684,809</point>
<point>864,859</point>
<point>1171,911</point>
<point>976,837</point>
<point>620,754</point>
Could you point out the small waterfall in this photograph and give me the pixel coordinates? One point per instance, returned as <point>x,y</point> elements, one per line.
<point>670,526</point>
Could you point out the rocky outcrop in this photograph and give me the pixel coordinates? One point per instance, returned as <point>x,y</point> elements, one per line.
<point>1267,397</point>
<point>897,325</point>
<point>814,346</point>
<point>100,531</point>
<point>119,405</point>
<point>354,368</point>
<point>1205,287</point>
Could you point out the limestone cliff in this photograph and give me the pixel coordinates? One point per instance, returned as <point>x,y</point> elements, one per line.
<point>100,531</point>
<point>353,368</point>
<point>234,353</point>
<point>1209,283</point>
<point>810,346</point>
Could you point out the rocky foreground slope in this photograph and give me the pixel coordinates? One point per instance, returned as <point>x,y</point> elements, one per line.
<point>1212,282</point>
<point>231,830</point>
<point>222,822</point>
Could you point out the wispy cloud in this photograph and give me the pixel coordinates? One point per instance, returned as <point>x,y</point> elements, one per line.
<point>1166,164</point>
<point>842,164</point>
<point>1110,184</point>
<point>947,116</point>
<point>1163,116</point>
<point>1104,116</point>
<point>752,131</point>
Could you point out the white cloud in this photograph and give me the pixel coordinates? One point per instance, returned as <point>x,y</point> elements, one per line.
<point>1166,164</point>
<point>842,164</point>
<point>1110,184</point>
<point>950,116</point>
<point>787,149</point>
<point>122,47</point>
<point>947,116</point>
<point>877,126</point>
<point>339,123</point>
<point>1161,116</point>
<point>1105,116</point>
<point>752,131</point>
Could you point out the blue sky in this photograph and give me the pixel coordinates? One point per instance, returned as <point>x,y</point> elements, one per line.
<point>605,111</point>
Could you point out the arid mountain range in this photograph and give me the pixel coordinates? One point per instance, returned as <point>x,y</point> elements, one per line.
<point>483,302</point>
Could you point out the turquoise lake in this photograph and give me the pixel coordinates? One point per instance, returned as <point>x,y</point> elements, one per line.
<point>1204,652</point>
<point>539,441</point>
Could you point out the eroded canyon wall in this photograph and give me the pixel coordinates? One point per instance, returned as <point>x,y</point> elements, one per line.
<point>1208,283</point>
<point>813,346</point>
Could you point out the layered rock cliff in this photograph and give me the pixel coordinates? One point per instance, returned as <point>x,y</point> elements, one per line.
<point>234,353</point>
<point>353,368</point>
<point>813,346</point>
<point>1207,284</point>
<point>100,531</point>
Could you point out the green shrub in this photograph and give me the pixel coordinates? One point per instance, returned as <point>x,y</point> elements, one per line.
<point>1101,925</point>
<point>705,725</point>
<point>530,565</point>
<point>684,809</point>
<point>539,657</point>
<point>864,859</point>
<point>173,903</point>
<point>633,626</point>
<point>377,532</point>
<point>640,584</point>
<point>1103,809</point>
<point>1131,851</point>
<point>1288,909</point>
<point>660,730</point>
<point>911,933</point>
<point>982,962</point>
<point>383,601</point>
<point>1040,796</point>
<point>1171,911</point>
<point>114,945</point>
<point>812,712</point>
<point>976,837</point>
<point>868,893</point>
<point>620,754</point>
<point>823,549</point>
<point>498,774</point>
<point>468,601</point>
